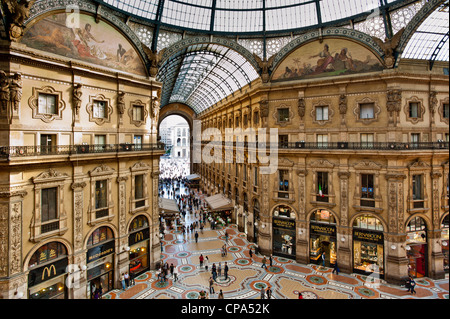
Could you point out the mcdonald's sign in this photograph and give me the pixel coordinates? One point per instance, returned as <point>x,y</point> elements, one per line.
<point>49,271</point>
<point>138,236</point>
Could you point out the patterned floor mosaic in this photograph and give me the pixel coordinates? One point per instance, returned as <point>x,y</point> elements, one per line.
<point>247,277</point>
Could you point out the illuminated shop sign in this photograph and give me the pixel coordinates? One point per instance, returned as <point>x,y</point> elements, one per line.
<point>368,236</point>
<point>44,273</point>
<point>284,223</point>
<point>138,236</point>
<point>327,230</point>
<point>100,251</point>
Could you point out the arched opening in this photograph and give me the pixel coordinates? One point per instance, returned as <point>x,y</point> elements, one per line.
<point>416,249</point>
<point>322,234</point>
<point>139,243</point>
<point>174,131</point>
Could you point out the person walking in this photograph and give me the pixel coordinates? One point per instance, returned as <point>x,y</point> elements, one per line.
<point>175,273</point>
<point>300,296</point>
<point>201,258</point>
<point>335,268</point>
<point>412,285</point>
<point>211,285</point>
<point>219,270</point>
<point>269,293</point>
<point>250,252</point>
<point>206,262</point>
<point>226,236</point>
<point>220,296</point>
<point>323,259</point>
<point>122,280</point>
<point>214,271</point>
<point>226,271</point>
<point>264,260</point>
<point>270,260</point>
<point>171,269</point>
<point>263,293</point>
<point>127,279</point>
<point>196,237</point>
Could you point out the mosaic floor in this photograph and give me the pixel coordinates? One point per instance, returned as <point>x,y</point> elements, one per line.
<point>246,276</point>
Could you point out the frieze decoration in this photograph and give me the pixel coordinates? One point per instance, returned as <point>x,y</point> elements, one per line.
<point>78,186</point>
<point>367,165</point>
<point>16,14</point>
<point>4,238</point>
<point>49,176</point>
<point>15,244</point>
<point>344,197</point>
<point>102,169</point>
<point>78,216</point>
<point>388,46</point>
<point>322,163</point>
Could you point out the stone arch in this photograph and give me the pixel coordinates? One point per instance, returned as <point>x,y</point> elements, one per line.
<point>178,109</point>
<point>46,7</point>
<point>284,204</point>
<point>427,221</point>
<point>383,222</point>
<point>336,216</point>
<point>113,228</point>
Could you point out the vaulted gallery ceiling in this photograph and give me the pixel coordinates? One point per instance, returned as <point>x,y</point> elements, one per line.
<point>202,74</point>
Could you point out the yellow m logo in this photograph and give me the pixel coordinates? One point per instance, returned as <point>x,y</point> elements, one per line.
<point>48,270</point>
<point>139,236</point>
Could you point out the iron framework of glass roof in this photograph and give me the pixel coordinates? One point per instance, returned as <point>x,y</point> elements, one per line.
<point>202,75</point>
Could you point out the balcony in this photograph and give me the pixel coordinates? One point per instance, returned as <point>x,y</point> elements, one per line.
<point>7,152</point>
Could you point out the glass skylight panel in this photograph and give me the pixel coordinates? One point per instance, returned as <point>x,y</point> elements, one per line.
<point>239,4</point>
<point>142,8</point>
<point>186,16</point>
<point>335,10</point>
<point>238,21</point>
<point>291,18</point>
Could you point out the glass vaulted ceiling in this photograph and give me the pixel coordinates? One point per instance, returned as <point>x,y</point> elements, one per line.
<point>204,74</point>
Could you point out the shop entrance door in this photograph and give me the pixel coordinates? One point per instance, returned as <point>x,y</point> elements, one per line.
<point>106,280</point>
<point>417,266</point>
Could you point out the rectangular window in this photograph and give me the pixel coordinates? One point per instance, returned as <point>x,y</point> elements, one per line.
<point>245,172</point>
<point>322,140</point>
<point>367,140</point>
<point>415,139</point>
<point>366,111</point>
<point>137,142</point>
<point>283,115</point>
<point>47,104</point>
<point>99,109</point>
<point>283,182</point>
<point>283,140</point>
<point>139,190</point>
<point>138,113</point>
<point>322,187</point>
<point>101,198</point>
<point>367,193</point>
<point>321,113</point>
<point>255,176</point>
<point>256,118</point>
<point>445,110</point>
<point>49,211</point>
<point>100,143</point>
<point>48,143</point>
<point>413,109</point>
<point>417,191</point>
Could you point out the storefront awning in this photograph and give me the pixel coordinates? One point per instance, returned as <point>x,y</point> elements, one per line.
<point>219,202</point>
<point>193,177</point>
<point>168,205</point>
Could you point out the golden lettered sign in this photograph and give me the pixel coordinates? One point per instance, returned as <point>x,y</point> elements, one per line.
<point>284,223</point>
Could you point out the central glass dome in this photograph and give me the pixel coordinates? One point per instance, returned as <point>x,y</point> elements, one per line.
<point>250,16</point>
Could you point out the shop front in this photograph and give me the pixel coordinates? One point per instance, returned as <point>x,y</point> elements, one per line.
<point>444,241</point>
<point>416,247</point>
<point>139,243</point>
<point>100,261</point>
<point>48,272</point>
<point>284,238</point>
<point>322,233</point>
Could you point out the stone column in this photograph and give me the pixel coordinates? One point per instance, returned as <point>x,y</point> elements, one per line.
<point>122,252</point>
<point>13,280</point>
<point>344,231</point>
<point>436,270</point>
<point>155,243</point>
<point>302,249</point>
<point>396,263</point>
<point>78,290</point>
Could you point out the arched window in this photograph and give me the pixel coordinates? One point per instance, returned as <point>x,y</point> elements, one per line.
<point>368,222</point>
<point>47,252</point>
<point>99,235</point>
<point>138,223</point>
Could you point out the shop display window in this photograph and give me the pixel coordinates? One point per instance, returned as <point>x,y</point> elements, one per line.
<point>51,289</point>
<point>284,241</point>
<point>444,240</point>
<point>368,257</point>
<point>100,267</point>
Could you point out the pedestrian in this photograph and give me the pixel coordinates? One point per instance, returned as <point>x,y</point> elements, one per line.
<point>263,293</point>
<point>300,296</point>
<point>171,269</point>
<point>122,280</point>
<point>220,296</point>
<point>269,293</point>
<point>226,271</point>
<point>201,258</point>
<point>196,237</point>
<point>211,286</point>
<point>250,252</point>
<point>219,270</point>
<point>412,285</point>
<point>175,273</point>
<point>264,260</point>
<point>226,236</point>
<point>214,271</point>
<point>132,283</point>
<point>335,268</point>
<point>270,260</point>
<point>323,259</point>
<point>127,279</point>
<point>206,262</point>
<point>100,291</point>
